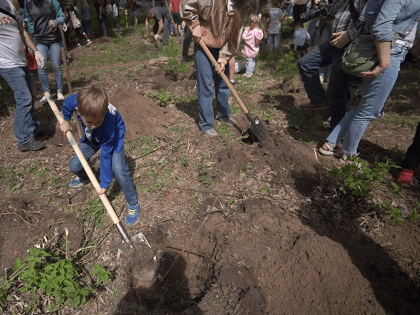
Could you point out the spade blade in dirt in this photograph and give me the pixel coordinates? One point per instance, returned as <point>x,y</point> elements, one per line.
<point>257,128</point>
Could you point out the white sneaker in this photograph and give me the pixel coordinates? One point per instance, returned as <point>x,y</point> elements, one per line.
<point>89,42</point>
<point>60,96</point>
<point>78,45</point>
<point>321,78</point>
<point>43,100</point>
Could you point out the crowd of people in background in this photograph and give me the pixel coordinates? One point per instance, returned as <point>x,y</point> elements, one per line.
<point>44,26</point>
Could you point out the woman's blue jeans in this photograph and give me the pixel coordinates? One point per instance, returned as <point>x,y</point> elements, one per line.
<point>273,40</point>
<point>119,168</point>
<point>54,51</point>
<point>205,76</point>
<point>20,81</point>
<point>375,92</point>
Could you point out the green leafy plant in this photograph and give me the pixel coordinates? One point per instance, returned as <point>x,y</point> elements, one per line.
<point>396,215</point>
<point>356,177</point>
<point>176,67</point>
<point>415,217</point>
<point>205,172</point>
<point>163,98</point>
<point>93,213</point>
<point>102,275</point>
<point>266,188</point>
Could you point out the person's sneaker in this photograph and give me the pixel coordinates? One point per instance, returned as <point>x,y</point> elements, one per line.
<point>405,177</point>
<point>210,132</point>
<point>233,82</point>
<point>315,106</point>
<point>183,60</point>
<point>78,182</point>
<point>327,148</point>
<point>44,131</point>
<point>133,214</point>
<point>43,100</point>
<point>230,121</point>
<point>31,145</point>
<point>88,42</point>
<point>60,96</point>
<point>248,75</point>
<point>321,79</point>
<point>78,45</point>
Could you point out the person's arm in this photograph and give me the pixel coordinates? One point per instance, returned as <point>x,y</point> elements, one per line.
<point>160,29</point>
<point>58,12</point>
<point>384,55</point>
<point>146,22</point>
<point>29,18</point>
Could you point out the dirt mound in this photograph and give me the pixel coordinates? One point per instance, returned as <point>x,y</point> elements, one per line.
<point>141,115</point>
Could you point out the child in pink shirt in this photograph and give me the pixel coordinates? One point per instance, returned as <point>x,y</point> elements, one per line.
<point>252,35</point>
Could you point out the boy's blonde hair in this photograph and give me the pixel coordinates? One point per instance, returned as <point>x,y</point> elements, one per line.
<point>254,19</point>
<point>92,102</point>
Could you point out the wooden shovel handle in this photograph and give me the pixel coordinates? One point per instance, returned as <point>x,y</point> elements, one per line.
<point>222,74</point>
<point>82,159</point>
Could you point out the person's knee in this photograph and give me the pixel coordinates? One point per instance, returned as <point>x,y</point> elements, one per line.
<point>75,165</point>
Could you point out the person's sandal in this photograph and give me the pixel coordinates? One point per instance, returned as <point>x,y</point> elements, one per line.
<point>327,148</point>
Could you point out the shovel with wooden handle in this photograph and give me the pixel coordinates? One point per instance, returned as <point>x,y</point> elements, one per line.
<point>67,73</point>
<point>257,126</point>
<point>120,228</point>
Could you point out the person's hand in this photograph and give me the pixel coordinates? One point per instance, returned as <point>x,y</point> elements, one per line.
<point>196,34</point>
<point>53,23</point>
<point>64,27</point>
<point>375,72</point>
<point>40,60</point>
<point>156,37</point>
<point>100,191</point>
<point>341,39</point>
<point>222,63</point>
<point>65,126</point>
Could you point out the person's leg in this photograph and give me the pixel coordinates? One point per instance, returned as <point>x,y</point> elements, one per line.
<point>375,92</point>
<point>88,150</point>
<point>270,40</point>
<point>204,70</point>
<point>42,72</point>
<point>122,174</point>
<point>33,126</point>
<point>187,42</point>
<point>25,118</point>
<point>412,158</point>
<point>232,69</point>
<point>248,66</point>
<point>277,38</point>
<point>308,67</point>
<point>55,53</point>
<point>337,88</point>
<point>252,65</point>
<point>136,14</point>
<point>89,29</point>
<point>222,91</point>
<point>165,30</point>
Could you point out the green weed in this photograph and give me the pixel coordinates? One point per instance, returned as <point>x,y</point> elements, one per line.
<point>287,67</point>
<point>266,188</point>
<point>356,178</point>
<point>415,217</point>
<point>163,98</point>
<point>205,172</point>
<point>12,178</point>
<point>93,215</point>
<point>176,67</point>
<point>396,215</point>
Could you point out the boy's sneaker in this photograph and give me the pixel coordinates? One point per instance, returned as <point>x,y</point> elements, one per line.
<point>31,145</point>
<point>211,132</point>
<point>60,96</point>
<point>77,182</point>
<point>233,82</point>
<point>43,100</point>
<point>133,214</point>
<point>230,121</point>
<point>405,178</point>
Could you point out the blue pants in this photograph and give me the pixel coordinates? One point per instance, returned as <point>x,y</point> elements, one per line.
<point>336,94</point>
<point>54,51</point>
<point>205,76</point>
<point>20,81</point>
<point>119,168</point>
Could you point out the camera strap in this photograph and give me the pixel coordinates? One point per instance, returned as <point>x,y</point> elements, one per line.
<point>354,13</point>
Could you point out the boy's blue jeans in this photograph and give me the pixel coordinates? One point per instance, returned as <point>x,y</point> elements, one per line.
<point>119,168</point>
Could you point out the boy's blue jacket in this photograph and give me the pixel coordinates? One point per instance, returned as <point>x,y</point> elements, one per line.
<point>109,136</point>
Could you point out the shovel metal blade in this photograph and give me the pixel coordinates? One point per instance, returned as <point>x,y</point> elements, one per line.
<point>257,128</point>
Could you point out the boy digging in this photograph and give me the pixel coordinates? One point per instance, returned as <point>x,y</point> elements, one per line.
<point>103,129</point>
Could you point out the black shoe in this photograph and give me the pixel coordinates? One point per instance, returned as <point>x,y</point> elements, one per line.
<point>32,145</point>
<point>233,82</point>
<point>44,132</point>
<point>184,60</point>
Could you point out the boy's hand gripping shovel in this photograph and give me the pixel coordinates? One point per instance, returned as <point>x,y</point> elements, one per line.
<point>91,176</point>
